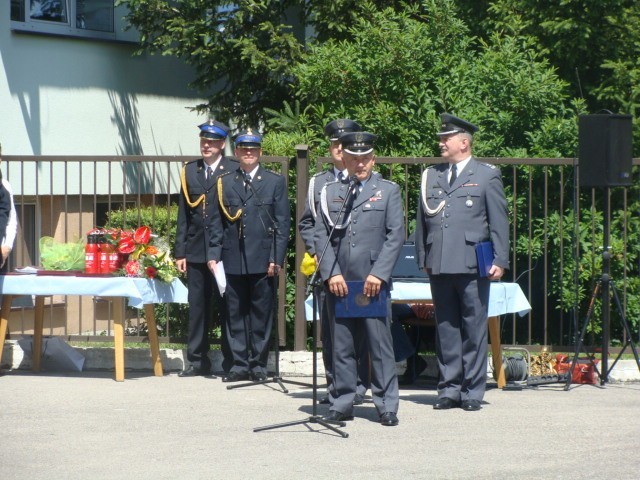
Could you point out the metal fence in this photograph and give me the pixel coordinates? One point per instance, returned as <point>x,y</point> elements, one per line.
<point>64,197</point>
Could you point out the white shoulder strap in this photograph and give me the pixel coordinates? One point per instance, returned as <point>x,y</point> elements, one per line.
<point>311,197</point>
<point>325,210</point>
<point>430,212</point>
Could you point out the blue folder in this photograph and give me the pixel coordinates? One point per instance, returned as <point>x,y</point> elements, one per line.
<point>357,305</point>
<point>484,254</point>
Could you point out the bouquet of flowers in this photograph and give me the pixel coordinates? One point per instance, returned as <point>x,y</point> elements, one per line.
<point>148,255</point>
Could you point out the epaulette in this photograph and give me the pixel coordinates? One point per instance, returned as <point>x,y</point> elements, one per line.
<point>491,166</point>
<point>275,174</point>
<point>188,162</point>
<point>387,181</point>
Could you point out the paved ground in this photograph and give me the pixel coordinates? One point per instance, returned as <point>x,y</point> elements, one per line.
<point>87,426</point>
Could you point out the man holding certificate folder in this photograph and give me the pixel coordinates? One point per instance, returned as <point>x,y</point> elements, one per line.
<point>362,223</point>
<point>462,225</point>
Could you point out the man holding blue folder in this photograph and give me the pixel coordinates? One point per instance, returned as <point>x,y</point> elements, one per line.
<point>461,207</point>
<point>362,222</point>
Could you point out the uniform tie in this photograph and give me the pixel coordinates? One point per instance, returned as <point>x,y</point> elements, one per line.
<point>357,189</point>
<point>454,174</point>
<point>247,181</point>
<point>209,172</point>
<point>340,177</point>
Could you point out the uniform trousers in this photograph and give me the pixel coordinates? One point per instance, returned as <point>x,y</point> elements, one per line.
<point>362,352</point>
<point>250,306</point>
<point>376,333</point>
<point>203,295</point>
<point>461,303</point>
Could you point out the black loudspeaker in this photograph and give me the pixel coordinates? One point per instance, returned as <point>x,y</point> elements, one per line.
<point>605,150</point>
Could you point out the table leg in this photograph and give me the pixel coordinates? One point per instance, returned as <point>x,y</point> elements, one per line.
<point>496,350</point>
<point>153,339</point>
<point>118,333</point>
<point>4,320</point>
<point>38,326</point>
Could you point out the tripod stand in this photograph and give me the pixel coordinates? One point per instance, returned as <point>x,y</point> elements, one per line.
<point>314,418</point>
<point>314,283</point>
<point>276,374</point>
<point>605,287</point>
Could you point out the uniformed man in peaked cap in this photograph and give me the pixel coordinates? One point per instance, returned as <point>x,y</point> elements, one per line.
<point>333,130</point>
<point>364,247</point>
<point>253,215</point>
<point>462,203</point>
<point>198,180</point>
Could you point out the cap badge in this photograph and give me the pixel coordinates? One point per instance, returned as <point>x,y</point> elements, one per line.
<point>340,123</point>
<point>359,137</point>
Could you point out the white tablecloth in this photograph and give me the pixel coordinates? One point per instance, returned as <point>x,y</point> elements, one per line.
<point>503,298</point>
<point>139,291</point>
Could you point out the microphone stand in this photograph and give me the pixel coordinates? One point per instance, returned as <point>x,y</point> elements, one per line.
<point>273,230</point>
<point>315,282</point>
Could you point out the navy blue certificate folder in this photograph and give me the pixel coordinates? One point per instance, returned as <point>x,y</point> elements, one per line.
<point>484,253</point>
<point>357,305</point>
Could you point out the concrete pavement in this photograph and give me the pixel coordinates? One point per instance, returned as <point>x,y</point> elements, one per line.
<point>85,425</point>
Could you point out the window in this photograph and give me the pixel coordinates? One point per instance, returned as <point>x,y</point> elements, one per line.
<point>99,19</point>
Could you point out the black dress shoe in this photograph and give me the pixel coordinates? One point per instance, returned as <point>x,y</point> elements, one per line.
<point>336,416</point>
<point>358,399</point>
<point>259,376</point>
<point>445,403</point>
<point>235,377</point>
<point>193,372</point>
<point>389,419</point>
<point>324,400</point>
<point>471,405</point>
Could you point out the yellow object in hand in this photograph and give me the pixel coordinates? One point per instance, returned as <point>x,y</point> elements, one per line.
<point>308,265</point>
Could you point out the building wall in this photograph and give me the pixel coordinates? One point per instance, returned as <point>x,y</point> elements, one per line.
<point>67,96</point>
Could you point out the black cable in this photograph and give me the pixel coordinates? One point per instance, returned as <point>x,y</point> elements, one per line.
<point>515,368</point>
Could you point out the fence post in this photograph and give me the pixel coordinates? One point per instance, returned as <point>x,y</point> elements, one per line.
<point>302,182</point>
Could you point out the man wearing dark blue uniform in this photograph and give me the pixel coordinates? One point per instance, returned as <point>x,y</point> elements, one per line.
<point>462,203</point>
<point>251,235</point>
<point>198,180</point>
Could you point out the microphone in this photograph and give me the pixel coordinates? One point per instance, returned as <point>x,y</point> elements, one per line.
<point>353,185</point>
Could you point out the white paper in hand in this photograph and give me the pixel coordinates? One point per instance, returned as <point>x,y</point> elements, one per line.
<point>221,279</point>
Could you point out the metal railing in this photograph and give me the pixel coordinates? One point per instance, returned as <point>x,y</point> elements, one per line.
<point>64,197</point>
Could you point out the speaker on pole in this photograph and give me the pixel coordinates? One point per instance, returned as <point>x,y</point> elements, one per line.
<point>605,150</point>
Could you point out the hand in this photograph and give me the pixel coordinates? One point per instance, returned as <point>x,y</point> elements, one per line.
<point>181,264</point>
<point>422,310</point>
<point>212,266</point>
<point>6,251</point>
<point>273,270</point>
<point>495,273</point>
<point>338,286</point>
<point>372,286</point>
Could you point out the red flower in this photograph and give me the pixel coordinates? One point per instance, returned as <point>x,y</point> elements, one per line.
<point>126,245</point>
<point>132,267</point>
<point>151,272</point>
<point>142,235</point>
